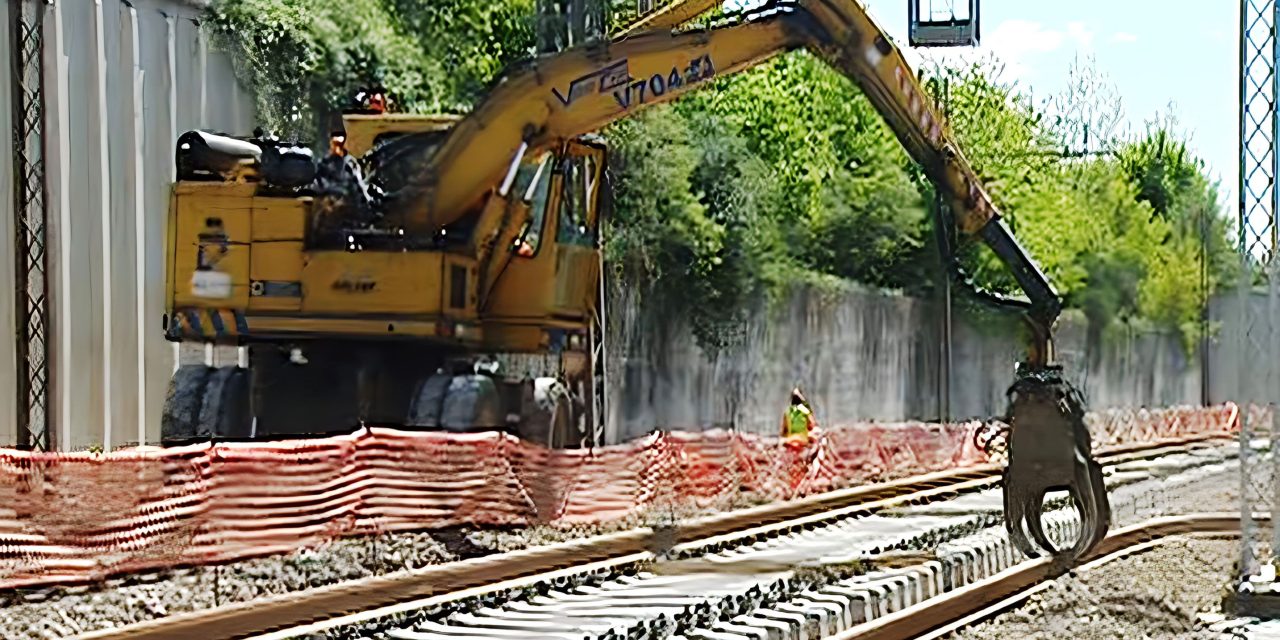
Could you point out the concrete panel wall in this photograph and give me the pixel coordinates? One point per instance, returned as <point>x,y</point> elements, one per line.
<point>863,356</point>
<point>850,354</point>
<point>122,81</point>
<point>1243,364</point>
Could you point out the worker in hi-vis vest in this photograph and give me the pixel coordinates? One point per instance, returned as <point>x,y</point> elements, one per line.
<point>798,422</point>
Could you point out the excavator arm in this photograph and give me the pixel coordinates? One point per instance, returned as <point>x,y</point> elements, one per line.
<point>557,97</point>
<point>547,101</point>
<point>670,15</point>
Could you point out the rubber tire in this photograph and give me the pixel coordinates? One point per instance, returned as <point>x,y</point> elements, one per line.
<point>225,410</point>
<point>428,402</point>
<point>563,420</point>
<point>183,402</point>
<point>237,421</point>
<point>472,403</point>
<point>549,418</point>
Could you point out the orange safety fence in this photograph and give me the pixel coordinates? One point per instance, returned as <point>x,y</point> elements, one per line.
<point>73,517</point>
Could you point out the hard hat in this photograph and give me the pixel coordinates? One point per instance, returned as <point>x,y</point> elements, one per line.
<point>796,395</point>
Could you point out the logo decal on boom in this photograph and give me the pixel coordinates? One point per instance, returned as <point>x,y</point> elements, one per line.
<point>641,91</point>
<point>628,91</point>
<point>598,81</point>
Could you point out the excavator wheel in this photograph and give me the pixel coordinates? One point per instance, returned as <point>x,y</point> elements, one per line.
<point>206,403</point>
<point>469,402</point>
<point>554,400</point>
<point>427,401</point>
<point>543,410</point>
<point>183,402</point>
<point>336,388</point>
<point>224,411</point>
<point>549,415</point>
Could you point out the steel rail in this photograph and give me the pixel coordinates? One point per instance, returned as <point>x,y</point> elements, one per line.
<point>324,607</point>
<point>936,617</point>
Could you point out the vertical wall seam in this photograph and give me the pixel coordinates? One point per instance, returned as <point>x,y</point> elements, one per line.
<point>171,55</point>
<point>203,52</point>
<point>104,173</point>
<point>63,292</point>
<point>139,223</point>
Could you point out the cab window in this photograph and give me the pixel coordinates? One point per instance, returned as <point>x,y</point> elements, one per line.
<point>535,184</point>
<point>579,176</point>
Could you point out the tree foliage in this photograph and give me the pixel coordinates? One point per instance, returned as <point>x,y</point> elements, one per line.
<point>307,58</point>
<point>1128,228</point>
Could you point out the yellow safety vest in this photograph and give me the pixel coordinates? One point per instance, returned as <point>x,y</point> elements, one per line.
<point>798,420</point>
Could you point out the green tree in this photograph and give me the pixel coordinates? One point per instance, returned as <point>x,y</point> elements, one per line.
<point>1120,237</point>
<point>662,237</point>
<point>307,58</point>
<point>1175,184</point>
<point>842,200</point>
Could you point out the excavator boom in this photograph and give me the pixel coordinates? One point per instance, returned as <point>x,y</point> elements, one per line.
<point>670,15</point>
<point>550,100</point>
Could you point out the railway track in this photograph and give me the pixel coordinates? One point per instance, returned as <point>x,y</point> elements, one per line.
<point>722,567</point>
<point>938,617</point>
<point>1015,586</point>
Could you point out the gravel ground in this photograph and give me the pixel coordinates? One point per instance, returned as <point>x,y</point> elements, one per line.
<point>63,612</point>
<point>1153,595</point>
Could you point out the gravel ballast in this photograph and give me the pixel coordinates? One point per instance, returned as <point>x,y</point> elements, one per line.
<point>64,612</point>
<point>1155,595</point>
<point>61,612</point>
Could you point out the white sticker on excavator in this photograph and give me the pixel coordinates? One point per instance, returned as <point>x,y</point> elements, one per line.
<point>211,284</point>
<point>873,56</point>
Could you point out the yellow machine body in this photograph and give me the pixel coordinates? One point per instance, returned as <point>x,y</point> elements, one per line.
<point>242,266</point>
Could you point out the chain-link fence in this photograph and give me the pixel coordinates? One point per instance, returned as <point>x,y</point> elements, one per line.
<point>1250,331</point>
<point>26,34</point>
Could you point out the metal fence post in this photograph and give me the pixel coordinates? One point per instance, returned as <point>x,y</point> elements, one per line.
<point>31,300</point>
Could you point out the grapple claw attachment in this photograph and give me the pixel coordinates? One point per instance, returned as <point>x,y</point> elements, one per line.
<point>1050,450</point>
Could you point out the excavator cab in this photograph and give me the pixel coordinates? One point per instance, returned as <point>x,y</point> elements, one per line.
<point>552,269</point>
<point>940,23</point>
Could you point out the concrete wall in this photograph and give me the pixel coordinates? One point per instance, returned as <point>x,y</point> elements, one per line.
<point>862,355</point>
<point>1244,353</point>
<point>122,80</point>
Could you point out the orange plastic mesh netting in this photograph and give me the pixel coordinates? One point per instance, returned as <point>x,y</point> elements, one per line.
<point>84,516</point>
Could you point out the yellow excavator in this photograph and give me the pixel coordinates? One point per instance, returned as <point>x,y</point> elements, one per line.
<point>444,272</point>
